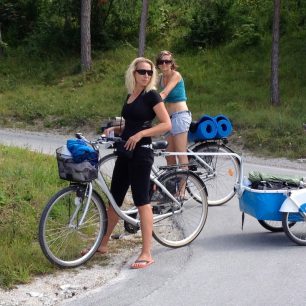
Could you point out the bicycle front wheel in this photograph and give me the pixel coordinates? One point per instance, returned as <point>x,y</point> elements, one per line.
<point>178,224</point>
<point>219,173</point>
<point>64,241</point>
<point>106,167</point>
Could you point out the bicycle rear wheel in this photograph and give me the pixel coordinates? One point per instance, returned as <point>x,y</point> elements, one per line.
<point>295,227</point>
<point>61,237</point>
<point>219,173</point>
<point>273,226</point>
<point>178,224</point>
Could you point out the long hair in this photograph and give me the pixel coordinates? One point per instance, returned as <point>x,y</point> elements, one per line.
<point>130,78</point>
<point>160,56</point>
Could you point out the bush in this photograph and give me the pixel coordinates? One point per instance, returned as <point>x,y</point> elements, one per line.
<point>211,24</point>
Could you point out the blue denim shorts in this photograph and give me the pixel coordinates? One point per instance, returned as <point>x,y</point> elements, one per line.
<point>180,123</point>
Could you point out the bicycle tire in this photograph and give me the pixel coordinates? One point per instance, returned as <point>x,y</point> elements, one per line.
<point>106,168</point>
<point>295,227</point>
<point>61,239</point>
<point>186,220</point>
<point>220,184</point>
<point>272,226</point>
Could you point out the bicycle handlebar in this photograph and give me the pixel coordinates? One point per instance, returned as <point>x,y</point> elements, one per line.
<point>99,140</point>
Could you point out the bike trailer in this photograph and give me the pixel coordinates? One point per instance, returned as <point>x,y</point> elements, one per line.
<point>262,204</point>
<point>264,195</point>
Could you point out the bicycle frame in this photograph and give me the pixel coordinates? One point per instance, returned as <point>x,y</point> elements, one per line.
<point>125,215</point>
<point>198,158</point>
<point>198,155</point>
<point>201,161</point>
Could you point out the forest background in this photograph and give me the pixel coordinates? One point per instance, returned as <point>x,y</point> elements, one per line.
<point>223,48</point>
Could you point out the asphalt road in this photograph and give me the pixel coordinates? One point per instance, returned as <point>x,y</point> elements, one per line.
<point>225,265</point>
<point>37,141</point>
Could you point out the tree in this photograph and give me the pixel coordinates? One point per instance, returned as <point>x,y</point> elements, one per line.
<point>275,97</point>
<point>1,43</point>
<point>142,27</point>
<point>85,35</point>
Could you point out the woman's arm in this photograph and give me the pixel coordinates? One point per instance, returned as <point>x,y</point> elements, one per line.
<point>176,77</point>
<point>163,126</point>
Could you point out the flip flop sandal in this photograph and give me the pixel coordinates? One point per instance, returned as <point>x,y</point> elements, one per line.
<point>141,263</point>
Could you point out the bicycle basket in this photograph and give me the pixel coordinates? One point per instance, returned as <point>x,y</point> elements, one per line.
<point>69,170</point>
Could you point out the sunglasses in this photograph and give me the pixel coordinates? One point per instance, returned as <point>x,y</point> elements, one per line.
<point>144,71</point>
<point>161,62</point>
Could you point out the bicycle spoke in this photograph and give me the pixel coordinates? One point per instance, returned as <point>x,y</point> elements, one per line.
<point>188,218</point>
<point>63,242</point>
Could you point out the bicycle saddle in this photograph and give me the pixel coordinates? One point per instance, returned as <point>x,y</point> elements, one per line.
<point>159,145</point>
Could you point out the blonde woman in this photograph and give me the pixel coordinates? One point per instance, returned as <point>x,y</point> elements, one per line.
<point>142,105</point>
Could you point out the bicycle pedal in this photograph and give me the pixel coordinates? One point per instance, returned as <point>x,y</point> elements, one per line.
<point>116,236</point>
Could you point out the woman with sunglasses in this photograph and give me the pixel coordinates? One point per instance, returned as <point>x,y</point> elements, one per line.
<point>174,95</point>
<point>142,105</point>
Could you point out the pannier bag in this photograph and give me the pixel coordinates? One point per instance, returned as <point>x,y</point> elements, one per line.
<point>78,167</point>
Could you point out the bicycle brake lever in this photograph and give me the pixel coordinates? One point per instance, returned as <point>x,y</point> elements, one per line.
<point>78,135</point>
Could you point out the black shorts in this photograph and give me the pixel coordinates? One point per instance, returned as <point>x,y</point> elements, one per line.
<point>134,172</point>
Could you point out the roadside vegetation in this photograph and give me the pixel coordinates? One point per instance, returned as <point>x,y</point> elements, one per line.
<point>27,181</point>
<point>53,95</point>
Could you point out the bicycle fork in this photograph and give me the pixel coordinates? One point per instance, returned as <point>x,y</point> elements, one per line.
<point>78,201</point>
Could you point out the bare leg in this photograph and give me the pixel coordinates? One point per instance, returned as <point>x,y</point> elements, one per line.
<point>178,143</point>
<point>146,225</point>
<point>112,222</point>
<point>171,160</point>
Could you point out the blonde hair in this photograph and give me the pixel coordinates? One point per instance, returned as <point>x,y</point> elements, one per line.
<point>130,78</point>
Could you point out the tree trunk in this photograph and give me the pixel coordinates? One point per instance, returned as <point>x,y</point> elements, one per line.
<point>275,97</point>
<point>142,27</point>
<point>85,35</point>
<point>1,42</point>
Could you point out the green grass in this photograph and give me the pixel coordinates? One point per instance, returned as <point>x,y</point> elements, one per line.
<point>52,94</point>
<point>27,181</point>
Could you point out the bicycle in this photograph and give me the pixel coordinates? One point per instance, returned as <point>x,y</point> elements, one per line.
<point>75,218</point>
<point>220,173</point>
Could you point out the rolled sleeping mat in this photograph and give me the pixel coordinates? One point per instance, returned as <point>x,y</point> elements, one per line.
<point>224,126</point>
<point>207,129</point>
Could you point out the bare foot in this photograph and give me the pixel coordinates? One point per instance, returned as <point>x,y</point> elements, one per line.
<point>100,250</point>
